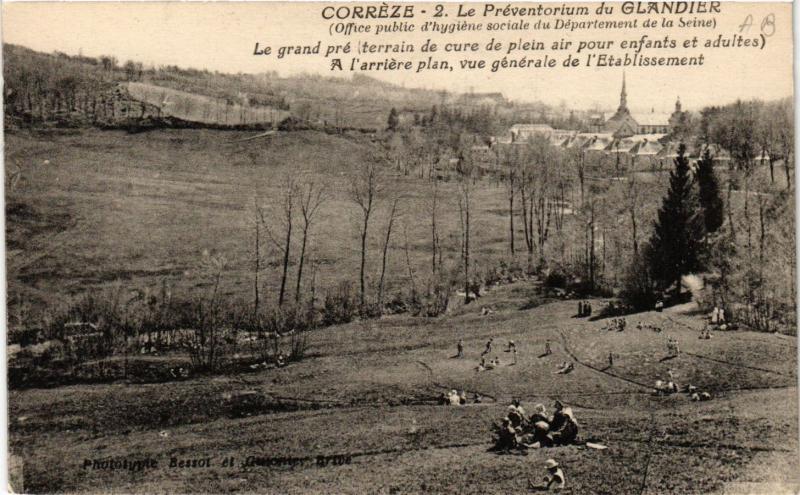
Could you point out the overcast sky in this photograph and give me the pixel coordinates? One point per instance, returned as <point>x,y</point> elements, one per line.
<point>222,36</point>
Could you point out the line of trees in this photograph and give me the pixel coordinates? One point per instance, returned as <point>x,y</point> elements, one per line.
<point>603,229</point>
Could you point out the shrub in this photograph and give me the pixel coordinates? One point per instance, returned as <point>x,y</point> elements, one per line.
<point>556,278</point>
<point>341,305</point>
<point>638,289</point>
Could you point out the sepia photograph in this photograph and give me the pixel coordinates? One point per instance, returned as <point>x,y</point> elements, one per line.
<point>399,248</point>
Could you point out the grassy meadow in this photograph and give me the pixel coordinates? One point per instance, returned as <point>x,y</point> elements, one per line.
<point>94,209</point>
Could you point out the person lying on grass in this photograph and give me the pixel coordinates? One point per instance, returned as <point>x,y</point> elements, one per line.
<point>565,368</point>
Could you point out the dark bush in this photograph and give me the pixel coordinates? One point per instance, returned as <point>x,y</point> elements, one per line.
<point>341,305</point>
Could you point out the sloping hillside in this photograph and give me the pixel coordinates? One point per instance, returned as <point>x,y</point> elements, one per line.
<point>367,395</point>
<point>202,109</point>
<point>76,90</point>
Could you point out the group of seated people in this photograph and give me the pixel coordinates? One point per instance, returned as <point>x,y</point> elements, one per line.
<point>492,364</point>
<point>615,308</point>
<point>519,431</point>
<point>279,361</point>
<point>615,324</point>
<point>179,372</point>
<point>456,398</point>
<point>705,333</point>
<point>697,395</point>
<point>642,326</point>
<point>668,387</point>
<point>664,387</point>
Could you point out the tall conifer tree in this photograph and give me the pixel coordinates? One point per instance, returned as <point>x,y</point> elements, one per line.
<point>678,230</point>
<point>708,194</point>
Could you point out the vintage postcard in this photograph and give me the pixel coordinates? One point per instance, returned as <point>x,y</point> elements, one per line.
<point>365,247</point>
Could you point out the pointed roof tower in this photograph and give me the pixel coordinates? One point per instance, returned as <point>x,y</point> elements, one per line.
<point>623,97</point>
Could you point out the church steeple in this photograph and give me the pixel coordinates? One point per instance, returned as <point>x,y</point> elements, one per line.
<point>623,96</point>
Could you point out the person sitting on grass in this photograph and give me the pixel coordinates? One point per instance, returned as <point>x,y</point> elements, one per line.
<point>516,403</point>
<point>702,396</point>
<point>539,414</point>
<point>506,436</point>
<point>563,427</point>
<point>514,417</point>
<point>555,476</point>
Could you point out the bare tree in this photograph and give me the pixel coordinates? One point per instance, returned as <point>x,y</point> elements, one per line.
<point>435,243</point>
<point>633,204</point>
<point>525,185</point>
<point>590,255</point>
<point>510,190</point>
<point>464,207</point>
<point>313,196</point>
<point>365,188</point>
<point>284,242</point>
<point>408,263</point>
<point>580,166</point>
<point>392,216</point>
<point>784,116</point>
<point>256,258</point>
